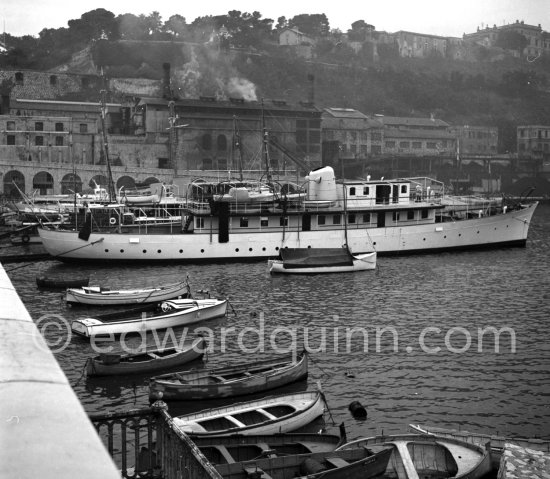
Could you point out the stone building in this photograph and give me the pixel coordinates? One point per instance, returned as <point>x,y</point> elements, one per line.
<point>476,140</point>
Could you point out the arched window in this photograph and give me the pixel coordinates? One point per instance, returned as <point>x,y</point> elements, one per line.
<point>10,178</point>
<point>207,141</point>
<point>71,184</point>
<point>126,181</point>
<point>43,182</point>
<point>222,143</point>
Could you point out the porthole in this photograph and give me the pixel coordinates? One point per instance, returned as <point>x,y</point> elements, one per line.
<point>263,249</point>
<point>122,251</point>
<point>106,251</point>
<point>374,244</point>
<point>159,251</point>
<point>237,250</point>
<point>459,234</point>
<point>477,231</point>
<point>423,239</point>
<point>276,248</point>
<point>445,236</point>
<point>202,251</point>
<point>144,251</point>
<point>181,251</point>
<point>249,249</point>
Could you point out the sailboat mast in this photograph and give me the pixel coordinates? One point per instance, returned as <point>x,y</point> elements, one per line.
<point>110,186</point>
<point>237,144</point>
<point>345,201</point>
<point>265,145</point>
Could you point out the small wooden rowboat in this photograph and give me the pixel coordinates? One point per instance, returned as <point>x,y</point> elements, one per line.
<point>145,361</point>
<point>188,312</point>
<point>61,283</point>
<point>430,457</point>
<point>271,415</point>
<point>349,464</point>
<point>321,260</point>
<point>98,296</point>
<point>238,448</point>
<point>236,380</point>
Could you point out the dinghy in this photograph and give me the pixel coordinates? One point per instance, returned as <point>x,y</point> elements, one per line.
<point>271,415</point>
<point>349,464</point>
<point>98,296</point>
<point>145,361</point>
<point>417,456</point>
<point>237,380</point>
<point>321,260</point>
<point>188,312</point>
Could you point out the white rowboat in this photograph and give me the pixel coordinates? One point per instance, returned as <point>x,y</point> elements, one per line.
<point>192,311</point>
<point>98,296</point>
<point>271,415</point>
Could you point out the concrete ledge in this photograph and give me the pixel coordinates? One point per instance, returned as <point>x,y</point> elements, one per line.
<point>521,462</point>
<point>44,430</point>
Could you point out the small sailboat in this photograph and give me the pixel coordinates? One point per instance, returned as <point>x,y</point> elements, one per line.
<point>321,260</point>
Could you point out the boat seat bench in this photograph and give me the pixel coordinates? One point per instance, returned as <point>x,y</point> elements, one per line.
<point>255,473</point>
<point>336,462</point>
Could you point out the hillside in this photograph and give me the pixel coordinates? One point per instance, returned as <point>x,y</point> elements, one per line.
<point>504,93</point>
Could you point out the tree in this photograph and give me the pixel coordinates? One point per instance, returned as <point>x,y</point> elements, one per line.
<point>360,31</point>
<point>94,25</point>
<point>175,26</point>
<point>130,27</point>
<point>315,25</point>
<point>511,40</point>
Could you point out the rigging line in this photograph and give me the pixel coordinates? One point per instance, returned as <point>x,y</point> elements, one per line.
<point>60,254</point>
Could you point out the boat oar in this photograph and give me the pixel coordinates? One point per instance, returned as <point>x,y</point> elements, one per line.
<point>60,254</point>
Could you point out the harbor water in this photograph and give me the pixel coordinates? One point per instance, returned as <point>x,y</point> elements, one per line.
<point>458,339</point>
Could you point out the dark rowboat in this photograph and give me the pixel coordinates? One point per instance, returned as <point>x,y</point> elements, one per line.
<point>61,283</point>
<point>351,464</point>
<point>144,361</point>
<point>238,448</point>
<point>237,380</point>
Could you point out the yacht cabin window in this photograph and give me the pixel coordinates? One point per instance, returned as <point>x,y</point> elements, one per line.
<point>199,223</point>
<point>365,190</point>
<point>264,221</point>
<point>352,191</point>
<point>321,220</point>
<point>366,218</point>
<point>351,218</point>
<point>424,214</point>
<point>336,219</point>
<point>244,222</point>
<point>410,215</point>
<point>283,221</point>
<point>404,189</point>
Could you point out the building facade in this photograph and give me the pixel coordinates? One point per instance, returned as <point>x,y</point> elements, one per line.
<point>476,140</point>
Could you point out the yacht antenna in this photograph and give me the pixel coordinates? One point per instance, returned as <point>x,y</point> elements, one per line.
<point>265,140</point>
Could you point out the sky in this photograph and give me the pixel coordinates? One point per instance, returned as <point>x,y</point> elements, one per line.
<point>435,17</point>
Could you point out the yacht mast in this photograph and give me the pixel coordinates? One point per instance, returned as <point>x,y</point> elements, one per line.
<point>265,145</point>
<point>110,186</point>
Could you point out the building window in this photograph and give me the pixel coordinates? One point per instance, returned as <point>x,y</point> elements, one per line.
<point>10,125</point>
<point>364,149</point>
<point>283,221</point>
<point>404,144</point>
<point>163,163</point>
<point>376,149</point>
<point>222,163</point>
<point>321,220</point>
<point>19,78</point>
<point>83,128</point>
<point>244,222</point>
<point>222,143</point>
<point>10,140</point>
<point>58,141</point>
<point>207,142</point>
<point>39,126</point>
<point>431,145</point>
<point>59,127</point>
<point>207,164</point>
<point>390,144</point>
<point>417,145</point>
<point>39,140</point>
<point>53,80</point>
<point>336,219</point>
<point>366,218</point>
<point>376,136</point>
